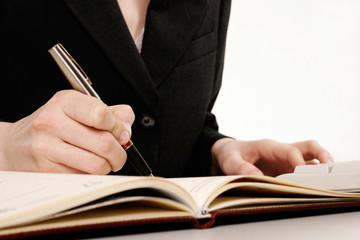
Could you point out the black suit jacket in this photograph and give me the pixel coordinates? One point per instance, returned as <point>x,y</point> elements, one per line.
<point>171,86</point>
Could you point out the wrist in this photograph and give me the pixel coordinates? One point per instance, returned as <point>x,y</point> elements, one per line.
<point>3,139</point>
<point>218,145</point>
<point>215,152</point>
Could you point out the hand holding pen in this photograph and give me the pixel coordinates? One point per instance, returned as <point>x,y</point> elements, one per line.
<point>70,133</point>
<point>80,81</point>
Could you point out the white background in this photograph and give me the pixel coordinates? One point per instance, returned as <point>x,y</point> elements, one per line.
<point>292,72</point>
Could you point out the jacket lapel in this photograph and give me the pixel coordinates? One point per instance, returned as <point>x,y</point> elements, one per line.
<point>169,31</point>
<point>104,22</point>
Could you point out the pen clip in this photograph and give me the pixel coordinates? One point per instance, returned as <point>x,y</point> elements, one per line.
<point>81,82</point>
<point>72,70</point>
<point>73,60</point>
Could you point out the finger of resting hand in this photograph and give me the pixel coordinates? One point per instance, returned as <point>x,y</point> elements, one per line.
<point>312,162</point>
<point>313,150</point>
<point>246,168</point>
<point>280,151</point>
<point>88,110</point>
<point>235,165</point>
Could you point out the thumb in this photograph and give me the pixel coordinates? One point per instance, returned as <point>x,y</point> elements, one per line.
<point>246,168</point>
<point>239,166</point>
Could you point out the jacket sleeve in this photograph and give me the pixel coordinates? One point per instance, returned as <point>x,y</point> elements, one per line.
<point>200,163</point>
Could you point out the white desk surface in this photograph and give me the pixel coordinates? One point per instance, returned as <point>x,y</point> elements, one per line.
<point>337,226</point>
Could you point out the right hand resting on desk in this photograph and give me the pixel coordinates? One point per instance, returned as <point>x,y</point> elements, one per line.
<point>71,133</point>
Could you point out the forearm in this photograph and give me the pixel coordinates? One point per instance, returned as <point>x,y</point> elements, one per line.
<point>202,157</point>
<point>3,139</point>
<point>215,150</point>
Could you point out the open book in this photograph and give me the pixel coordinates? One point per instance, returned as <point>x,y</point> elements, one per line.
<point>40,203</point>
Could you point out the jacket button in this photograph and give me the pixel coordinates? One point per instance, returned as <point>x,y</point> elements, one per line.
<point>147,121</point>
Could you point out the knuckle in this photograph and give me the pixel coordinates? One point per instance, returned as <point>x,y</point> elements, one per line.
<point>130,111</point>
<point>312,143</point>
<point>105,142</point>
<point>121,162</point>
<point>127,108</point>
<point>39,153</point>
<point>99,166</point>
<point>117,128</point>
<point>46,167</point>
<point>294,153</point>
<point>43,121</point>
<point>59,96</point>
<point>125,112</point>
<point>267,142</point>
<point>38,149</point>
<point>229,161</point>
<point>100,113</point>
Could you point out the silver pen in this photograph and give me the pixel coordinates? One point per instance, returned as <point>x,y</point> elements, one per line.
<point>81,82</point>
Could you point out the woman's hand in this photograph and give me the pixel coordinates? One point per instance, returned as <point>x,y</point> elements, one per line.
<point>71,133</point>
<point>266,157</point>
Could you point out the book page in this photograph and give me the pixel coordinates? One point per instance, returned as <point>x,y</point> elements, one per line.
<point>27,196</point>
<point>23,192</point>
<point>115,214</point>
<point>224,202</point>
<point>206,189</point>
<point>202,188</point>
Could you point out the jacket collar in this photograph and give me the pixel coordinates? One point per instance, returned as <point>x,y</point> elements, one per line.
<point>168,32</point>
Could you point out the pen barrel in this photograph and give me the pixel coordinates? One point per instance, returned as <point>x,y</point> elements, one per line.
<point>137,161</point>
<point>81,82</point>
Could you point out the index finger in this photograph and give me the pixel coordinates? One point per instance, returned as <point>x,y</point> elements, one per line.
<point>274,151</point>
<point>313,150</point>
<point>88,110</point>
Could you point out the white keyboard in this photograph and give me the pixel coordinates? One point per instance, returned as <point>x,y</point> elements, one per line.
<point>338,176</point>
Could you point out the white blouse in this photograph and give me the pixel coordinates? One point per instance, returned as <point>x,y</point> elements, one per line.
<point>139,41</point>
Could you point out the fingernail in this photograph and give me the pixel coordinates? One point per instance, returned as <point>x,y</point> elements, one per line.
<point>127,128</point>
<point>124,137</point>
